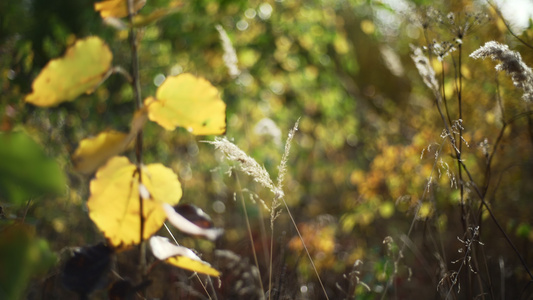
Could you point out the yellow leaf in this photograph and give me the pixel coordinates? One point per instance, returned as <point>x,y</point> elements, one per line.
<point>192,265</point>
<point>95,151</point>
<point>117,8</point>
<point>180,256</point>
<point>114,201</point>
<point>156,15</point>
<point>79,71</point>
<point>190,102</point>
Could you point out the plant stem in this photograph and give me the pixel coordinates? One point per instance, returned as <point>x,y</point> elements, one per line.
<point>139,140</point>
<point>249,231</point>
<point>305,248</point>
<point>460,140</point>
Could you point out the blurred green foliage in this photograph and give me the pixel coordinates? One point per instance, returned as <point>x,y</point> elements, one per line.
<point>23,255</point>
<point>361,159</point>
<point>25,171</point>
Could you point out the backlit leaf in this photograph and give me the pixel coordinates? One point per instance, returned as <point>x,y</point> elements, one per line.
<point>180,256</point>
<point>95,151</point>
<point>79,71</point>
<point>114,201</point>
<point>190,102</point>
<point>156,15</point>
<point>117,8</point>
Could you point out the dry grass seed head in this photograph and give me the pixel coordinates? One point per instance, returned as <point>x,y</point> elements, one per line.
<point>425,70</point>
<point>510,62</point>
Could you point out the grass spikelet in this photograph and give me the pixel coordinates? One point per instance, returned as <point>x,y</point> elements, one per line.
<point>510,62</point>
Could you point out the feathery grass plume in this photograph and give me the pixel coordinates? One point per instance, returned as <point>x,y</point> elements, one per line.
<point>229,57</point>
<point>248,165</point>
<point>510,62</point>
<point>282,168</point>
<point>425,69</point>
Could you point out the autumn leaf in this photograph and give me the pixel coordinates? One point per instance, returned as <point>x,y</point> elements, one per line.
<point>95,151</point>
<point>180,256</point>
<point>200,225</point>
<point>190,102</point>
<point>114,201</point>
<point>79,71</point>
<point>156,15</point>
<point>117,8</point>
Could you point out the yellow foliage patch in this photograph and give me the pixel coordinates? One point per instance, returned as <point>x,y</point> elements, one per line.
<point>79,71</point>
<point>192,265</point>
<point>114,203</point>
<point>190,102</point>
<point>117,8</point>
<point>95,151</point>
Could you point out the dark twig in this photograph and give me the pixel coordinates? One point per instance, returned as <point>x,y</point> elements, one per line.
<point>139,140</point>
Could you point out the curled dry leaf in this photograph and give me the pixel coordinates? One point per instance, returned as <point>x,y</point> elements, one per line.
<point>87,269</point>
<point>197,223</point>
<point>79,71</point>
<point>179,256</point>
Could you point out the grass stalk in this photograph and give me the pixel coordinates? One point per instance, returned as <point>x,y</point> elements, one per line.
<point>249,229</point>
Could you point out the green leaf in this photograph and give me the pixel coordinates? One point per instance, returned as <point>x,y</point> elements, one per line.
<point>25,171</point>
<point>22,255</point>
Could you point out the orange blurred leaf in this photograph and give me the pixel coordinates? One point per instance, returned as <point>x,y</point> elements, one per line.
<point>114,201</point>
<point>117,8</point>
<point>190,102</point>
<point>79,71</point>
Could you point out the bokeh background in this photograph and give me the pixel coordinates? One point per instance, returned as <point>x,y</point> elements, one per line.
<point>359,163</point>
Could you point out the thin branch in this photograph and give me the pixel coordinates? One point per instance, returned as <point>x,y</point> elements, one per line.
<point>26,210</point>
<point>480,194</point>
<point>493,217</point>
<point>460,140</point>
<point>123,72</point>
<point>496,144</point>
